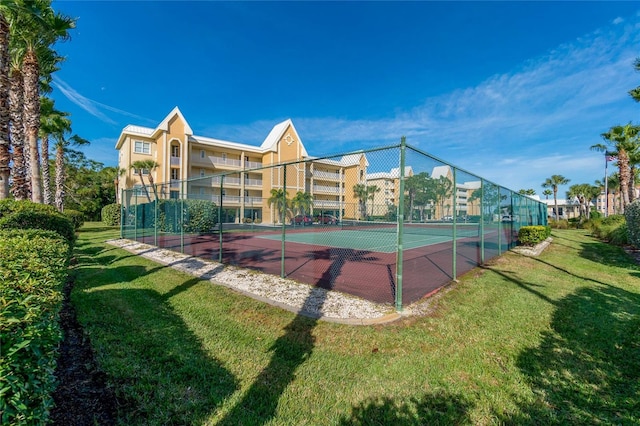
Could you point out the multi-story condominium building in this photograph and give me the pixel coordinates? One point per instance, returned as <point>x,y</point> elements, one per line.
<point>239,176</point>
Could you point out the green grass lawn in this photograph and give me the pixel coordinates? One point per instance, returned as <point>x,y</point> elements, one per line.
<point>547,340</point>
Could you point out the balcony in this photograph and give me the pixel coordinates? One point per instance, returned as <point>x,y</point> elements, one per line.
<point>319,174</point>
<point>253,182</point>
<point>225,162</point>
<point>175,161</point>
<point>326,204</point>
<point>327,189</point>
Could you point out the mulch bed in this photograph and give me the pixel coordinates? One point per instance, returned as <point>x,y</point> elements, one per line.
<point>82,396</point>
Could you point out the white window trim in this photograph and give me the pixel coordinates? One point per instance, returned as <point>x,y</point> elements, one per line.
<point>142,147</point>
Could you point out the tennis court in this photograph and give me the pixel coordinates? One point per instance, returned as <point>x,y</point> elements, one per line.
<point>378,236</point>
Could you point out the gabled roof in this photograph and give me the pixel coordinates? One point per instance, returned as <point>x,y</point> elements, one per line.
<point>148,132</point>
<point>439,171</point>
<point>278,131</point>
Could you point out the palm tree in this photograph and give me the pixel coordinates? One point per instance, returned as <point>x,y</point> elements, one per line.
<point>546,193</point>
<point>371,194</point>
<point>622,142</point>
<point>149,165</point>
<point>5,143</point>
<point>554,182</point>
<point>361,194</point>
<point>61,146</point>
<point>302,202</point>
<point>37,35</point>
<point>52,123</point>
<point>529,191</point>
<point>442,191</point>
<point>278,201</point>
<point>21,188</point>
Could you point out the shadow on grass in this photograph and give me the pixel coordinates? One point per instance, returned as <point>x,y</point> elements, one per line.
<point>156,365</point>
<point>438,408</point>
<point>585,371</point>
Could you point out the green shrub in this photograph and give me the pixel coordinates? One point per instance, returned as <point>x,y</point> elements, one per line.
<point>111,214</point>
<point>33,270</point>
<point>559,224</point>
<point>25,219</point>
<point>199,216</point>
<point>618,235</point>
<point>8,207</point>
<point>532,235</point>
<point>77,218</point>
<point>632,215</point>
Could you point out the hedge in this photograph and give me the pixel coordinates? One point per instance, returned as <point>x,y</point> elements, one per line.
<point>111,214</point>
<point>192,216</point>
<point>33,270</point>
<point>25,219</point>
<point>632,214</point>
<point>532,235</point>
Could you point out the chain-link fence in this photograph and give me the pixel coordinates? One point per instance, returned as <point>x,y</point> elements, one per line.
<point>391,225</point>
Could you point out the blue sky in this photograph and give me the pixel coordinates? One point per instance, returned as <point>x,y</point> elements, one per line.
<point>512,91</point>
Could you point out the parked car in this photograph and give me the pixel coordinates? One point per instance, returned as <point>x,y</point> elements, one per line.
<point>507,218</point>
<point>302,219</point>
<point>327,219</point>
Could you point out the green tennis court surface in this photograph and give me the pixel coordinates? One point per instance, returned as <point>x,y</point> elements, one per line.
<point>379,237</point>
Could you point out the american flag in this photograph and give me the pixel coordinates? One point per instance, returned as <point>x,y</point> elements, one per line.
<point>611,158</point>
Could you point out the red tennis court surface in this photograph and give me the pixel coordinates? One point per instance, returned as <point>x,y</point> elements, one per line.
<point>367,274</point>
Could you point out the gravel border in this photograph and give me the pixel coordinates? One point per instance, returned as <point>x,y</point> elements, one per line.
<point>285,293</point>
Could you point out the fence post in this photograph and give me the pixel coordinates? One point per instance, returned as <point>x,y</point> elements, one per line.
<point>155,217</point>
<point>220,219</point>
<point>135,217</point>
<point>122,213</point>
<point>183,194</point>
<point>400,220</point>
<point>282,219</point>
<point>482,221</point>
<point>454,266</point>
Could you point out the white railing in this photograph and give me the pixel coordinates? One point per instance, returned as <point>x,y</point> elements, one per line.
<point>225,161</point>
<point>253,182</point>
<point>175,161</point>
<point>326,175</point>
<point>331,189</point>
<point>318,204</point>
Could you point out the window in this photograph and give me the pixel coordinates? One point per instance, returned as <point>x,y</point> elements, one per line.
<point>175,151</point>
<point>224,157</point>
<point>175,174</point>
<point>142,172</point>
<point>202,153</point>
<point>142,147</point>
<point>137,190</point>
<point>201,172</point>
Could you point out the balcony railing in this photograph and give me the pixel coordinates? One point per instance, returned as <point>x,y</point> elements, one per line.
<point>175,161</point>
<point>319,204</point>
<point>326,175</point>
<point>225,161</point>
<point>327,189</point>
<point>253,182</point>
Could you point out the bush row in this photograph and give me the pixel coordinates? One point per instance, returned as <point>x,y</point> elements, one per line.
<point>532,235</point>
<point>33,270</point>
<point>197,216</point>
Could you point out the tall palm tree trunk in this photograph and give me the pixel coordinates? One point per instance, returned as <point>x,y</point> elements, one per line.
<point>60,177</point>
<point>21,188</point>
<point>46,174</point>
<point>32,121</point>
<point>623,162</point>
<point>5,143</point>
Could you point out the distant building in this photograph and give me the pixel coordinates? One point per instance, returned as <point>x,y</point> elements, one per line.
<point>182,156</point>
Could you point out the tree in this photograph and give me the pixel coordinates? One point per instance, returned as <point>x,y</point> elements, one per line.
<point>278,201</point>
<point>372,190</point>
<point>52,123</point>
<point>43,28</point>
<point>554,182</point>
<point>546,193</point>
<point>585,194</point>
<point>21,187</point>
<point>622,142</point>
<point>442,191</point>
<point>420,191</point>
<point>527,191</point>
<point>302,202</point>
<point>360,193</point>
<point>149,166</point>
<point>5,143</point>
<point>61,146</point>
